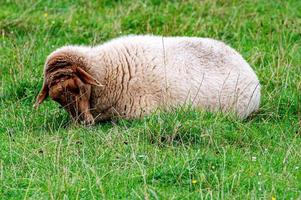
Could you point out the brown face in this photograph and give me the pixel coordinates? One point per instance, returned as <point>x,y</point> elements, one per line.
<point>73,96</point>
<point>71,88</point>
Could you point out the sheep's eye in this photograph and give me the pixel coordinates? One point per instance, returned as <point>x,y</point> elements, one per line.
<point>74,90</point>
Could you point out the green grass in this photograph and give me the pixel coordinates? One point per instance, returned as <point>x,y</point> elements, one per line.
<point>184,154</point>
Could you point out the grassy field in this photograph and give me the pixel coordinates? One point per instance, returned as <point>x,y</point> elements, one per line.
<point>185,154</point>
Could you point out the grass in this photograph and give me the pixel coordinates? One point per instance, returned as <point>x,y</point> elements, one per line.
<point>185,154</point>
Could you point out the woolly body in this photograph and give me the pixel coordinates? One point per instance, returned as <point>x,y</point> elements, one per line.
<point>143,73</point>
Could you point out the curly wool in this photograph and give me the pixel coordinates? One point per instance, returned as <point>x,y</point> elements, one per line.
<point>143,73</point>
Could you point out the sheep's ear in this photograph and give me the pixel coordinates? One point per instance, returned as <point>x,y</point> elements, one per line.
<point>42,95</point>
<point>87,78</point>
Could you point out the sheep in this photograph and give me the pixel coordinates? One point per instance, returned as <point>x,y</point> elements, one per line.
<point>132,76</point>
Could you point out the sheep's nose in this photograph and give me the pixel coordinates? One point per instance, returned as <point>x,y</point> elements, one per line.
<point>88,120</point>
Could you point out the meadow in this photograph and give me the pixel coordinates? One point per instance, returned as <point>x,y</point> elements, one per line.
<point>183,154</point>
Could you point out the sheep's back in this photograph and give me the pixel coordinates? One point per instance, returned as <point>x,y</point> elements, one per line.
<point>171,71</point>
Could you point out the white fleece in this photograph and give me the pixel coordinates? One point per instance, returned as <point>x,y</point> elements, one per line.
<point>143,73</point>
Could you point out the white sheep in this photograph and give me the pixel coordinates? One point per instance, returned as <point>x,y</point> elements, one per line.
<point>133,76</point>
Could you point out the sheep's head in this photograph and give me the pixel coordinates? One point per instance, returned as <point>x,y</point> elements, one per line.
<point>69,85</point>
